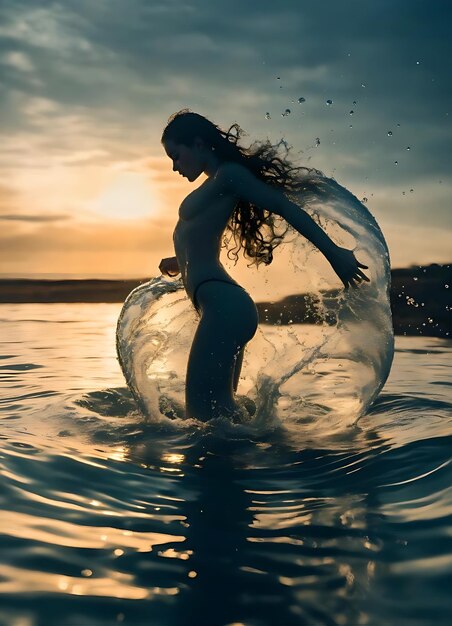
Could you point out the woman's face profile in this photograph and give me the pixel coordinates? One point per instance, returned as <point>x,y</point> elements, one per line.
<point>186,160</point>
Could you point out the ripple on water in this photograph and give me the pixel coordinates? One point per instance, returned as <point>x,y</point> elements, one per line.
<point>107,519</point>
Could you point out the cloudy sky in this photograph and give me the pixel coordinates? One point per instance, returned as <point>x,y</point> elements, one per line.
<point>86,87</point>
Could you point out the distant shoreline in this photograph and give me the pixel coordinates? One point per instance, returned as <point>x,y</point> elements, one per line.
<point>421,302</point>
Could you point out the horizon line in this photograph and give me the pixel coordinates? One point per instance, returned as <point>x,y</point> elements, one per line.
<point>116,276</point>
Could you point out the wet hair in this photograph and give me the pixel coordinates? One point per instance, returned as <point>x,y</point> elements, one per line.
<point>253,229</point>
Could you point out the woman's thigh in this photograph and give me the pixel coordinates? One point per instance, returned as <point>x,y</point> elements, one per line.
<point>228,321</point>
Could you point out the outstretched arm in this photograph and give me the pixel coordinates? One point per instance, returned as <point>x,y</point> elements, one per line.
<point>343,261</point>
<point>239,181</point>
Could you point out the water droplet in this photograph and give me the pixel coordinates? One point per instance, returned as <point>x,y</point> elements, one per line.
<point>329,102</point>
<point>286,113</point>
<point>363,85</point>
<point>398,125</point>
<point>403,193</point>
<point>355,101</point>
<point>396,162</point>
<point>301,100</point>
<point>267,116</point>
<point>389,133</point>
<point>317,142</point>
<point>418,62</point>
<point>414,277</point>
<point>278,78</point>
<point>351,126</point>
<point>364,200</point>
<point>446,286</point>
<point>351,112</point>
<point>411,190</point>
<point>408,148</point>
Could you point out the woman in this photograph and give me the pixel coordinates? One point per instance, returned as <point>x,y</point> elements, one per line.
<point>244,188</point>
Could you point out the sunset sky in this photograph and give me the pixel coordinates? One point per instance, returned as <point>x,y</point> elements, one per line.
<point>88,85</point>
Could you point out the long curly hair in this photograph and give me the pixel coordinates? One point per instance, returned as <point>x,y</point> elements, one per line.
<point>252,228</point>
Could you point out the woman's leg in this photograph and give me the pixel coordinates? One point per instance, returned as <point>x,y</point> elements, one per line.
<point>210,371</point>
<point>238,368</point>
<point>228,322</point>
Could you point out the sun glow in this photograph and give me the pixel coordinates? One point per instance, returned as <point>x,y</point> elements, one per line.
<point>127,196</point>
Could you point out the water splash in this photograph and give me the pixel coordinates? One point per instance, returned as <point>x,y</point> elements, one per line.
<point>321,354</point>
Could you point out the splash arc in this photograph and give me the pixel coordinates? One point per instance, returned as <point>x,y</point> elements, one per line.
<point>321,354</point>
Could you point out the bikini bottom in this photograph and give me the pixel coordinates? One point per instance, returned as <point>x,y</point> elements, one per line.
<point>208,280</point>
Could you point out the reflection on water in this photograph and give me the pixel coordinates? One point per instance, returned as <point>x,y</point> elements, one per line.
<point>108,519</point>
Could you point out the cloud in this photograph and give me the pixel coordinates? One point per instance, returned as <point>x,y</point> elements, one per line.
<point>18,60</point>
<point>33,218</point>
<point>88,86</point>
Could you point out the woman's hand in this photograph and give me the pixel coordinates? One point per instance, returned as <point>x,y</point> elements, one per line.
<point>169,267</point>
<point>346,266</point>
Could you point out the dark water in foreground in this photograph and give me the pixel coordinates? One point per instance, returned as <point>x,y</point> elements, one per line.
<point>105,519</point>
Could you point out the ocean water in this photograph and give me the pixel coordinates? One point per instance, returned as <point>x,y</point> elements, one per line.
<point>107,518</point>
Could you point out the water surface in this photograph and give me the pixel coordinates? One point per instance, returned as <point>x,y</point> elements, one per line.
<point>108,519</point>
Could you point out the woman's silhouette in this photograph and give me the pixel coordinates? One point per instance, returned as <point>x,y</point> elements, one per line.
<point>243,189</point>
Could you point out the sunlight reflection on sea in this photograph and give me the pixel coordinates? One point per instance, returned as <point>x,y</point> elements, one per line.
<point>106,518</point>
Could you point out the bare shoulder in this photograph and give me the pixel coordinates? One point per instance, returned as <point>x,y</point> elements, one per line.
<point>237,180</point>
<point>229,173</point>
<point>233,178</point>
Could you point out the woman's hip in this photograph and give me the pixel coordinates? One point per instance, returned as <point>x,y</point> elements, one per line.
<point>228,304</point>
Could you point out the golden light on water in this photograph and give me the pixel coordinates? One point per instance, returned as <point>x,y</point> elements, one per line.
<point>104,582</point>
<point>119,585</point>
<point>171,553</point>
<point>119,454</point>
<point>67,534</point>
<point>173,458</point>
